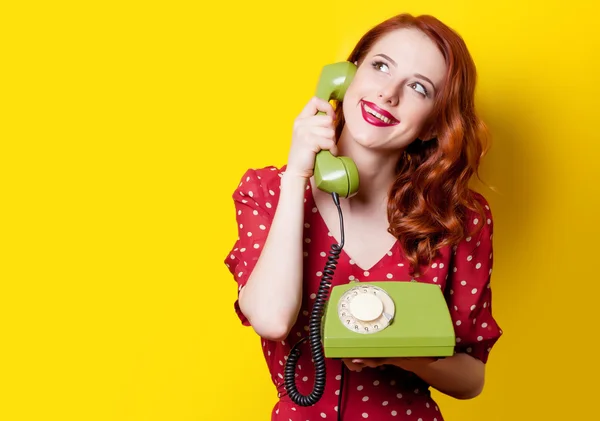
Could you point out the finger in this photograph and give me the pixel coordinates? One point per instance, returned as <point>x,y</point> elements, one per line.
<point>322,132</point>
<point>351,366</point>
<point>315,105</point>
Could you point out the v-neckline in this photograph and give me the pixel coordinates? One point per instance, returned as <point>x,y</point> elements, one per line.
<point>385,255</point>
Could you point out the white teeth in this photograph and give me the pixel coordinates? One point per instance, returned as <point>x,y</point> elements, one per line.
<point>376,114</point>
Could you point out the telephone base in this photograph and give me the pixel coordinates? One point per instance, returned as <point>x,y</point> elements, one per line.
<point>417,321</point>
<point>388,352</point>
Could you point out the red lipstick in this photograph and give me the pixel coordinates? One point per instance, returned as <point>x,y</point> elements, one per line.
<point>376,116</point>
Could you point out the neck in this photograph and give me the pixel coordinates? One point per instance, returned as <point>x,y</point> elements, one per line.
<point>376,171</point>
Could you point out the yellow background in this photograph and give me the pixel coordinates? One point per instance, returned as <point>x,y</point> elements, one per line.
<point>125,126</point>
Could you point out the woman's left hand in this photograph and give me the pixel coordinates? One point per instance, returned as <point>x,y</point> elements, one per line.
<point>357,364</point>
<point>406,363</point>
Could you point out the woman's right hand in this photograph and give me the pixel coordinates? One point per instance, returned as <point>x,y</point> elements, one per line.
<point>311,134</point>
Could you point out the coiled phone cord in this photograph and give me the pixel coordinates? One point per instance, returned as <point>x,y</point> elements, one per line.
<point>314,328</point>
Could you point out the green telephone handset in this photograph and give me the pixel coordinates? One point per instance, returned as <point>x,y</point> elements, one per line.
<point>368,319</point>
<point>335,174</point>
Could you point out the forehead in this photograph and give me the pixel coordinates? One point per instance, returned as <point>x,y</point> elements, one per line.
<point>413,51</point>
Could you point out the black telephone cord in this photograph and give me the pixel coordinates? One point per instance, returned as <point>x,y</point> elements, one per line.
<point>316,345</point>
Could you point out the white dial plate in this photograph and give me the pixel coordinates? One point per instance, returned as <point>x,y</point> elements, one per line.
<point>366,309</point>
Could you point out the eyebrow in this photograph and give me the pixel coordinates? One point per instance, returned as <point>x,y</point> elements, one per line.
<point>418,75</point>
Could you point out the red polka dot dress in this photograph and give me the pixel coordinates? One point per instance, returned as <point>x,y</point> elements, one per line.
<point>385,393</point>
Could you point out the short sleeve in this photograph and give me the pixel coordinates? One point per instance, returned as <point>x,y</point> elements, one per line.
<point>254,207</point>
<point>470,293</point>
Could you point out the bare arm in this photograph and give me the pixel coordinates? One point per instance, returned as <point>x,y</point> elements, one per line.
<point>460,376</point>
<point>272,296</point>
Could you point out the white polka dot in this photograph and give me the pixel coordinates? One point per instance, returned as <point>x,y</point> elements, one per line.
<point>243,249</point>
<point>389,276</point>
<point>351,261</point>
<point>469,258</point>
<point>475,221</point>
<point>400,264</point>
<point>305,379</point>
<point>366,398</point>
<point>394,413</point>
<point>427,404</point>
<point>480,338</point>
<point>463,283</point>
<point>489,221</point>
<point>484,305</point>
<point>458,340</point>
<point>351,277</point>
<point>473,307</point>
<point>323,415</point>
<point>469,349</point>
<point>262,227</point>
<point>389,253</point>
<point>474,291</point>
<point>267,204</point>
<point>458,323</point>
<point>408,412</point>
<point>314,210</point>
<point>319,273</point>
<point>384,403</point>
<point>376,383</point>
<point>254,212</point>
<point>359,387</point>
<point>435,279</point>
<point>399,395</point>
<point>365,415</point>
<point>271,192</point>
<point>441,266</point>
<point>256,245</point>
<point>484,325</point>
<point>434,265</point>
<point>313,295</point>
<point>323,254</point>
<point>468,239</point>
<point>478,266</point>
<point>335,408</point>
<point>239,212</point>
<point>366,273</point>
<point>249,234</point>
<point>241,225</point>
<point>338,377</point>
<point>337,392</point>
<point>305,312</point>
<point>307,240</point>
<point>454,270</point>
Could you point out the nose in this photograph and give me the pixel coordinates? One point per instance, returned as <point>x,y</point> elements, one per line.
<point>389,94</point>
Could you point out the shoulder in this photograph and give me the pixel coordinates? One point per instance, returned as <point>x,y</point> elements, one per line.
<point>260,184</point>
<point>478,222</point>
<point>482,214</point>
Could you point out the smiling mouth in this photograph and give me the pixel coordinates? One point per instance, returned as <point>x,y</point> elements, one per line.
<point>375,115</point>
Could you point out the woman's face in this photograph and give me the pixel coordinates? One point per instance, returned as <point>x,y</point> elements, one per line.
<point>393,91</point>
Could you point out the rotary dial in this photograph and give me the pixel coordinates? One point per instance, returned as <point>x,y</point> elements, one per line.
<point>366,309</point>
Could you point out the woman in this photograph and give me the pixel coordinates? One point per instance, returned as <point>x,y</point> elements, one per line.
<point>408,122</point>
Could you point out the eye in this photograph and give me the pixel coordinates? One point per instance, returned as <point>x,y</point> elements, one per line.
<point>380,65</point>
<point>419,88</point>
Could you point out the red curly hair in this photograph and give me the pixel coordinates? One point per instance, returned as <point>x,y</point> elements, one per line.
<point>429,199</point>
